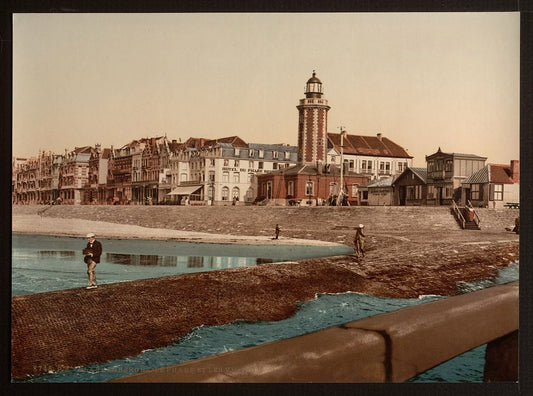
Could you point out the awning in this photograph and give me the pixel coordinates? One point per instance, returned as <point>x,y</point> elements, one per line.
<point>185,190</point>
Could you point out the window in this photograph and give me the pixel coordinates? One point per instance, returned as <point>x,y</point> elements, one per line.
<point>497,192</point>
<point>287,155</point>
<point>290,188</point>
<point>449,192</point>
<point>355,190</point>
<point>212,162</point>
<point>400,167</point>
<point>237,151</point>
<point>236,177</point>
<point>210,192</point>
<point>410,192</point>
<point>332,188</point>
<point>235,193</point>
<point>261,153</point>
<point>309,188</point>
<point>260,165</point>
<point>251,153</point>
<point>475,192</point>
<point>183,177</point>
<point>449,165</point>
<point>225,177</point>
<point>250,177</point>
<point>251,164</point>
<point>211,176</point>
<point>275,154</point>
<point>418,192</point>
<point>363,165</point>
<point>430,166</point>
<point>225,193</point>
<point>275,165</point>
<point>226,162</point>
<point>431,192</point>
<point>236,163</point>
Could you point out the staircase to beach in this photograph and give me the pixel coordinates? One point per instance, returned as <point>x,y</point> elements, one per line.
<point>466,216</point>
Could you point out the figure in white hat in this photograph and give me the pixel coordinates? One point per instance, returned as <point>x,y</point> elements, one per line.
<point>92,253</point>
<point>359,241</point>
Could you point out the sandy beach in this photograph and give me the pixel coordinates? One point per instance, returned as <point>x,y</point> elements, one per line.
<point>410,252</point>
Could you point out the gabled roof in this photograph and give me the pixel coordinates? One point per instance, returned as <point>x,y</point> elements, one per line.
<point>420,173</point>
<point>493,173</point>
<point>368,145</point>
<point>233,140</point>
<point>455,155</point>
<point>85,149</point>
<point>500,174</point>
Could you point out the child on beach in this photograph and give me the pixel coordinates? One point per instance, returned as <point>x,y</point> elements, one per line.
<point>359,241</point>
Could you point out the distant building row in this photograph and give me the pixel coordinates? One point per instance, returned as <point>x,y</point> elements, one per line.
<point>325,168</point>
<point>449,177</point>
<point>198,171</point>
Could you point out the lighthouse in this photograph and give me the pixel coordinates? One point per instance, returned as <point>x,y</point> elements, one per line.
<point>312,123</point>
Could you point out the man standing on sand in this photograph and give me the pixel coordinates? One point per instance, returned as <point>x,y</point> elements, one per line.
<point>359,241</point>
<point>92,253</point>
<point>278,230</point>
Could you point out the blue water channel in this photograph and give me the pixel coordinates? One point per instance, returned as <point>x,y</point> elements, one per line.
<point>46,263</point>
<point>61,266</point>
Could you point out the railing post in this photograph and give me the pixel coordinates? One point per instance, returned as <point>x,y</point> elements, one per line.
<point>501,359</point>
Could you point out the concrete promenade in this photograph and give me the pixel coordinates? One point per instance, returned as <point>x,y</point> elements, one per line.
<point>410,251</point>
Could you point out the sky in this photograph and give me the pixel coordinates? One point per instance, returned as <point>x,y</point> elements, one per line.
<point>423,80</point>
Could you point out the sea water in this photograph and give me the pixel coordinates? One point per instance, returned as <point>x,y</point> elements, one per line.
<point>325,311</point>
<point>46,263</point>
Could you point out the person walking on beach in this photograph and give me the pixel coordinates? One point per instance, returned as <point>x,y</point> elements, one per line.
<point>516,228</point>
<point>92,253</point>
<point>359,241</point>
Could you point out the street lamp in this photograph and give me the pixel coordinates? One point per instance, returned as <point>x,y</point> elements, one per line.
<point>341,191</point>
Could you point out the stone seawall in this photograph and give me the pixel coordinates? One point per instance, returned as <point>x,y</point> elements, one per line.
<point>410,252</point>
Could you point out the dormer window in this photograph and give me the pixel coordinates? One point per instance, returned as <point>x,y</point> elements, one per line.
<point>261,153</point>
<point>275,154</point>
<point>237,151</point>
<point>251,153</point>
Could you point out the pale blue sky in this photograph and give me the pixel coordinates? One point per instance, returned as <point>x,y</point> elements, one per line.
<point>423,80</point>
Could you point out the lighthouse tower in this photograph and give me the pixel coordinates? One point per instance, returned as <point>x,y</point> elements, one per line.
<point>312,124</point>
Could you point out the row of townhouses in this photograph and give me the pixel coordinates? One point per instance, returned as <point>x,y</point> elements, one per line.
<point>324,168</point>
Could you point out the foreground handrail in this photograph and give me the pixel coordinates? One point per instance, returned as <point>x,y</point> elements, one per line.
<point>391,347</point>
<point>458,215</point>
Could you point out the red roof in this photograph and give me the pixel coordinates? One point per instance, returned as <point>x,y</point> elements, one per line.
<point>368,145</point>
<point>500,174</point>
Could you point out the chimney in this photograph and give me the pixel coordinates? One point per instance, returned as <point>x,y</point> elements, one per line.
<point>515,171</point>
<point>379,136</point>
